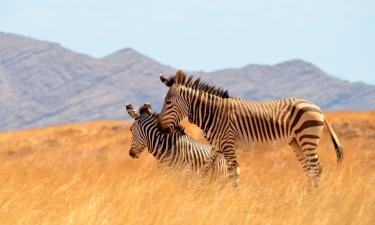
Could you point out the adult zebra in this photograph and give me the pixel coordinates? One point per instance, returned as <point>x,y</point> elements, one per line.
<point>228,121</point>
<point>176,149</point>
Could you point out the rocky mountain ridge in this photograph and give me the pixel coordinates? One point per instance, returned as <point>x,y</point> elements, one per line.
<point>43,83</point>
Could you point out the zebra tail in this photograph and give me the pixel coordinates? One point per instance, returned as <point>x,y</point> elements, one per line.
<point>335,141</point>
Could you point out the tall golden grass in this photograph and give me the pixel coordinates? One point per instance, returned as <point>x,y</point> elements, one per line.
<point>82,174</point>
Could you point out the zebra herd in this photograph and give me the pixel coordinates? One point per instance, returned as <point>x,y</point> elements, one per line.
<point>227,122</point>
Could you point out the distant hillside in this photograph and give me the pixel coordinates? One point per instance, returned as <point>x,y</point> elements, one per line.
<point>44,83</point>
<point>295,78</point>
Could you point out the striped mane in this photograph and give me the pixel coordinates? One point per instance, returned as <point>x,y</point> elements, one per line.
<point>198,84</point>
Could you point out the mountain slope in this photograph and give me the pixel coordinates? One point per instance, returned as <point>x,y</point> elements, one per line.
<point>295,78</point>
<point>44,83</point>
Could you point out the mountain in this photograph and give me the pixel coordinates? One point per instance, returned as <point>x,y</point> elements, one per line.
<point>44,83</point>
<point>296,78</point>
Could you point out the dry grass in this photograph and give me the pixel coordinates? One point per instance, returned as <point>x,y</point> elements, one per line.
<point>81,174</point>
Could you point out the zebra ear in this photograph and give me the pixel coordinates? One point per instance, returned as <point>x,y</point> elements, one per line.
<point>132,113</point>
<point>167,82</point>
<point>163,79</point>
<point>148,107</point>
<point>180,77</point>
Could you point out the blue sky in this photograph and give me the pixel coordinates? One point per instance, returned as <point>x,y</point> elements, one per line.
<point>336,35</point>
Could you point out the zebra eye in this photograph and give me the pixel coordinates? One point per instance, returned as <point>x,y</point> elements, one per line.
<point>168,102</point>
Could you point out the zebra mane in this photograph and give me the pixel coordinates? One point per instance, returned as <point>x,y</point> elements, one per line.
<point>198,84</point>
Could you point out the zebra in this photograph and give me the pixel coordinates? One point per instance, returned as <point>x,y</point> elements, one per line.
<point>175,149</point>
<point>228,122</point>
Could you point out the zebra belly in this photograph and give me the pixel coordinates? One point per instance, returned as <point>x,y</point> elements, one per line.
<point>251,145</point>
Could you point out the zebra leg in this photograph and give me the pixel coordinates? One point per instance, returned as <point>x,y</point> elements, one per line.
<point>209,164</point>
<point>232,165</point>
<point>313,165</point>
<point>309,161</point>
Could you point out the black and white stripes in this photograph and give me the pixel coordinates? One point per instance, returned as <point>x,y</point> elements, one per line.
<point>227,121</point>
<point>175,149</point>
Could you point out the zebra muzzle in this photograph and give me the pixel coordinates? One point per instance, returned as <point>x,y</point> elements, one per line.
<point>133,154</point>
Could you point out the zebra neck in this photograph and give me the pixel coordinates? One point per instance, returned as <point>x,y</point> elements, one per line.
<point>202,109</point>
<point>159,143</point>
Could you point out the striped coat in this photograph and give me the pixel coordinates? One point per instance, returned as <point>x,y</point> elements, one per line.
<point>228,122</point>
<point>175,149</point>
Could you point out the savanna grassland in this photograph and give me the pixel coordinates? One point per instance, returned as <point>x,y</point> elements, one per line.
<point>82,174</point>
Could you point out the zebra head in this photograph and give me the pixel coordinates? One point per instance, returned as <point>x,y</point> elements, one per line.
<point>138,135</point>
<point>175,108</point>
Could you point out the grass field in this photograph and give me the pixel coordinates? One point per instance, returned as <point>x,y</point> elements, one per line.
<point>82,174</point>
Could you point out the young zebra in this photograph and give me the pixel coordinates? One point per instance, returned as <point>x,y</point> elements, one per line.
<point>175,149</point>
<point>228,122</point>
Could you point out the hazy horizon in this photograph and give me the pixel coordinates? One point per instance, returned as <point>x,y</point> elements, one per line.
<point>337,36</point>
